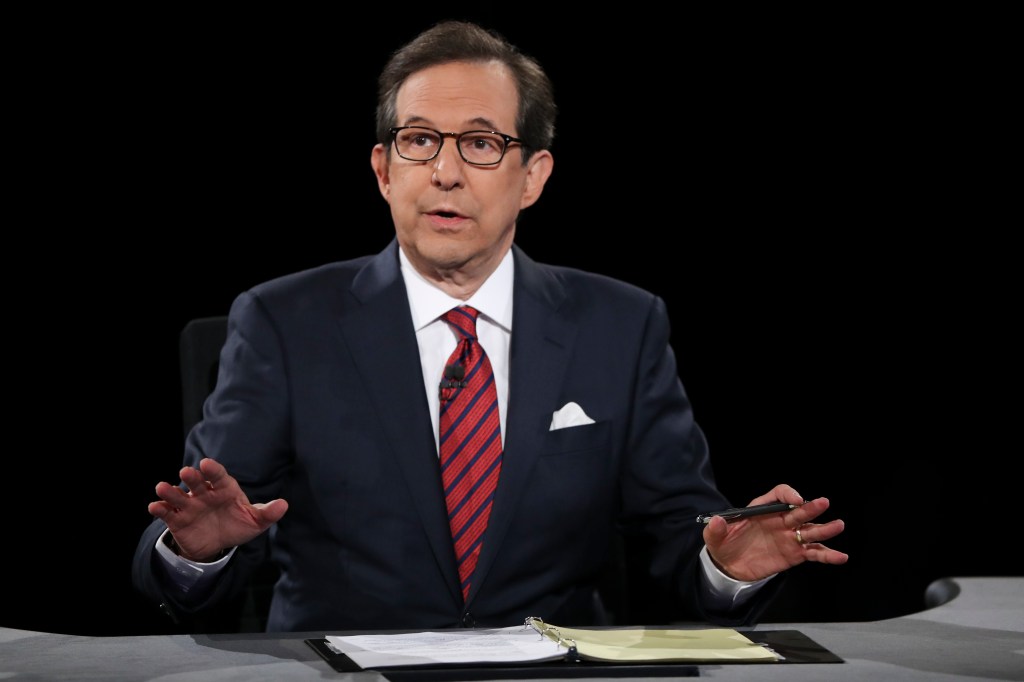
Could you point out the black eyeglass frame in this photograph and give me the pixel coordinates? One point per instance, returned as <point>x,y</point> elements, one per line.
<point>508,139</point>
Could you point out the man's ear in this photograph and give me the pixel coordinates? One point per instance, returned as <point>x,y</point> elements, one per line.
<point>538,171</point>
<point>381,168</point>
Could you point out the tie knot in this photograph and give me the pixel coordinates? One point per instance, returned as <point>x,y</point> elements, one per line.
<point>463,319</point>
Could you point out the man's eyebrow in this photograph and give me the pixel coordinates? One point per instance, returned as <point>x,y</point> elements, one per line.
<point>478,123</point>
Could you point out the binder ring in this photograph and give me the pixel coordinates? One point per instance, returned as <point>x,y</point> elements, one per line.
<point>553,634</point>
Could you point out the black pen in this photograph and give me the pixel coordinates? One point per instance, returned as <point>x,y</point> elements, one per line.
<point>743,512</point>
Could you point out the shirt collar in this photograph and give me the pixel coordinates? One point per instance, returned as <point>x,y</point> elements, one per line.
<point>493,299</point>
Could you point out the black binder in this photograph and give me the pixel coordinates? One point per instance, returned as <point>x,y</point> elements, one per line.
<point>792,645</point>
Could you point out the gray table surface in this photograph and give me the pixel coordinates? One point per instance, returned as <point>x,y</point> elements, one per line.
<point>979,635</point>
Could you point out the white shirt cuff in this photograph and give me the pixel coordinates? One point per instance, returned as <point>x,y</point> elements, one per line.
<point>187,574</point>
<point>725,593</point>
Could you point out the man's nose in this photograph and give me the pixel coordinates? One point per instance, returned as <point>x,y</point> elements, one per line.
<point>448,165</point>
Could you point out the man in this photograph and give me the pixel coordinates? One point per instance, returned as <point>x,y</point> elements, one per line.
<point>325,445</point>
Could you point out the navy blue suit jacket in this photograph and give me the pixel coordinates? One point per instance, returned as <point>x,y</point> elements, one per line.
<point>320,400</point>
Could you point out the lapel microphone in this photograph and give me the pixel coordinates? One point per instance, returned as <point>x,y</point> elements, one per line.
<point>453,376</point>
<point>452,379</point>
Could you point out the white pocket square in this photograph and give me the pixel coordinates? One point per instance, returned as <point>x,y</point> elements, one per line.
<point>570,415</point>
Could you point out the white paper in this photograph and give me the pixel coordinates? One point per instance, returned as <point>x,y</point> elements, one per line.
<point>502,645</point>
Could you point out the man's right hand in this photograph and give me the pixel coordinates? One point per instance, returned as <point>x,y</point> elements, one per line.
<point>214,514</point>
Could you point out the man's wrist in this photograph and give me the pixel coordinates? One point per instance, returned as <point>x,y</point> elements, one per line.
<point>174,547</point>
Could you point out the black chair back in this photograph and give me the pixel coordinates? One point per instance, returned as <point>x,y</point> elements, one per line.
<point>200,344</point>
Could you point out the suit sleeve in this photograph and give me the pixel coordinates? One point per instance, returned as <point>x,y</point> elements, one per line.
<point>245,426</point>
<point>667,480</point>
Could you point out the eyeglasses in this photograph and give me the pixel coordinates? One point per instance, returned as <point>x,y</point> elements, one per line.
<point>478,147</point>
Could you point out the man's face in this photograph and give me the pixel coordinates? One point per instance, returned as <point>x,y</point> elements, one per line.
<point>451,216</point>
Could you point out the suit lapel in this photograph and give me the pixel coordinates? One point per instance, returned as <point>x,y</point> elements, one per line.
<point>382,341</point>
<point>542,341</point>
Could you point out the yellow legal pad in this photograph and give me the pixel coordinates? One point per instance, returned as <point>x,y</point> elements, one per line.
<point>655,644</point>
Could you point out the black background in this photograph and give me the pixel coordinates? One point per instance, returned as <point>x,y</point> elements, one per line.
<point>819,199</point>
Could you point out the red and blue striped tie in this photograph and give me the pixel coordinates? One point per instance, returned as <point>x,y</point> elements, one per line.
<point>470,438</point>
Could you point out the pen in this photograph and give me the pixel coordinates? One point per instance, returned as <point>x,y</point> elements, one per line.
<point>743,512</point>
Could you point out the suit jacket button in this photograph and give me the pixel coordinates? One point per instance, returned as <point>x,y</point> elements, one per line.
<point>468,621</point>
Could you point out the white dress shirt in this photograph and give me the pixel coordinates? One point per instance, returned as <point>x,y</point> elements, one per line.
<point>437,339</point>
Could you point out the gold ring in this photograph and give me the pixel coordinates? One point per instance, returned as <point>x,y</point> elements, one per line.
<point>799,538</point>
